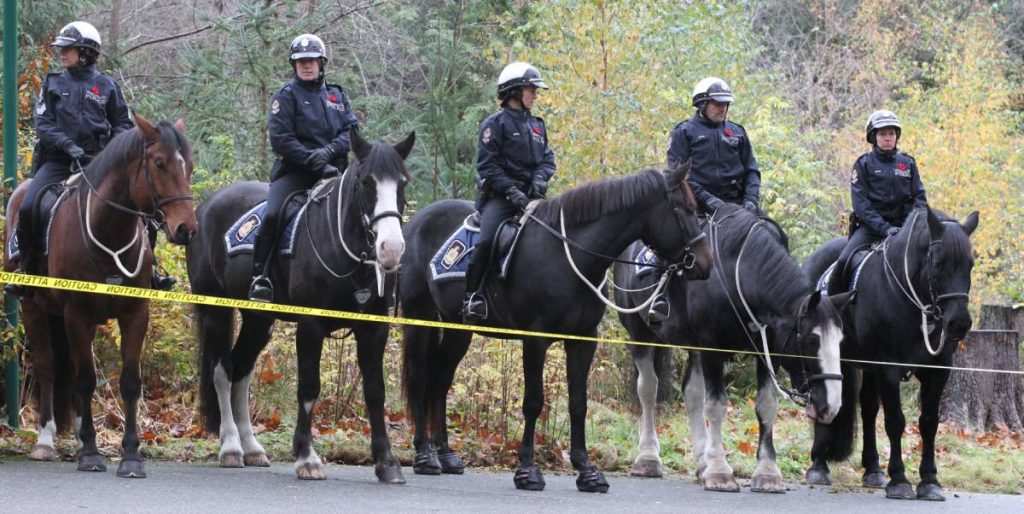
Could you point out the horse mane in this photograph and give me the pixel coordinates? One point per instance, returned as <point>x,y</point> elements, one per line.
<point>780,280</point>
<point>384,162</point>
<point>591,201</point>
<point>128,145</point>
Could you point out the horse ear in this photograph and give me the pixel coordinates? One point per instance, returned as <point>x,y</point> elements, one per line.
<point>842,300</point>
<point>935,225</point>
<point>180,125</point>
<point>405,146</point>
<point>359,145</point>
<point>146,129</point>
<point>970,223</point>
<point>812,301</point>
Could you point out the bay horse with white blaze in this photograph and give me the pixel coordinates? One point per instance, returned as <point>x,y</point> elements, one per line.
<point>142,174</point>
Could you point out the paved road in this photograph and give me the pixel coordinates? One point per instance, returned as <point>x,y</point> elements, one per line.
<point>174,487</point>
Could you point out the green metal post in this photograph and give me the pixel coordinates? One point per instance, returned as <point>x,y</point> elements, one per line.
<point>12,382</point>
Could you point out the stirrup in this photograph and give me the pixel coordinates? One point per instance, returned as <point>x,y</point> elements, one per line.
<point>163,282</point>
<point>18,290</point>
<point>659,311</point>
<point>474,308</point>
<point>261,290</point>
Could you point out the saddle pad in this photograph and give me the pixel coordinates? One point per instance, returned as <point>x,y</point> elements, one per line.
<point>241,237</point>
<point>13,249</point>
<point>645,261</point>
<point>452,258</point>
<point>859,260</point>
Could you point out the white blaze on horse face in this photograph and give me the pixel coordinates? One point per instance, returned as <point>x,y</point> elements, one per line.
<point>390,242</point>
<point>181,163</point>
<point>829,336</point>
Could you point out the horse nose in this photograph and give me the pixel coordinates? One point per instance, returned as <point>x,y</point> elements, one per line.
<point>183,234</point>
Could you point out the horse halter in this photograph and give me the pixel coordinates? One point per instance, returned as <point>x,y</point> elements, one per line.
<point>804,390</point>
<point>685,257</point>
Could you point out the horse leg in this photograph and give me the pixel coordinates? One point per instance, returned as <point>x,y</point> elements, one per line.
<point>80,333</point>
<point>133,325</point>
<point>371,341</point>
<point>693,398</point>
<point>767,477</point>
<point>454,345</point>
<point>873,477</point>
<point>718,476</point>
<point>37,331</point>
<point>528,476</point>
<point>648,460</point>
<point>309,342</point>
<point>818,473</point>
<point>933,382</point>
<point>417,345</point>
<point>253,337</point>
<point>578,357</point>
<point>888,382</point>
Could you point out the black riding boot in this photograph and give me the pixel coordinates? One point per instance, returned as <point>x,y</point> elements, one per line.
<point>658,312</point>
<point>474,306</point>
<point>261,290</point>
<point>836,283</point>
<point>27,264</point>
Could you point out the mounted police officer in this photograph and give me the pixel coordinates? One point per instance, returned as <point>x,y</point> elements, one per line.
<point>886,186</point>
<point>722,169</point>
<point>78,111</point>
<point>309,132</point>
<point>514,164</point>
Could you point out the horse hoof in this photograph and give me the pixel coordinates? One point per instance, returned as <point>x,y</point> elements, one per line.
<point>93,462</point>
<point>767,484</point>
<point>873,479</point>
<point>426,463</point>
<point>721,482</point>
<point>310,471</point>
<point>258,460</point>
<point>232,460</point>
<point>43,452</point>
<point>900,491</point>
<point>591,481</point>
<point>647,467</point>
<point>817,476</point>
<point>131,469</point>
<point>451,463</point>
<point>529,479</point>
<point>931,492</point>
<point>390,473</point>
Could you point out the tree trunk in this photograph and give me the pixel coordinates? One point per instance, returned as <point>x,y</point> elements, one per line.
<point>115,29</point>
<point>980,400</point>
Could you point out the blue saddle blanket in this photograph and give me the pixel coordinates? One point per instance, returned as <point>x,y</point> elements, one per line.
<point>13,248</point>
<point>241,237</point>
<point>452,258</point>
<point>646,261</point>
<point>858,262</point>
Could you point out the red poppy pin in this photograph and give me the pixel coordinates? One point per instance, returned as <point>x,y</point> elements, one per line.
<point>332,98</point>
<point>95,90</point>
<point>901,166</point>
<point>536,130</point>
<point>728,132</point>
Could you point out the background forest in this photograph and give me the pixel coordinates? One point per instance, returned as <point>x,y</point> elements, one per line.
<point>806,74</point>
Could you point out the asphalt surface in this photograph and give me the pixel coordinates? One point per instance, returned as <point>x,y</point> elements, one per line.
<point>175,487</point>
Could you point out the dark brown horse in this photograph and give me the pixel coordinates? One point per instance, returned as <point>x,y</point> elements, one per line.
<point>98,234</point>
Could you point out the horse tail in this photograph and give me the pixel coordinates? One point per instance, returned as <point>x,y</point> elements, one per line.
<point>843,429</point>
<point>214,328</point>
<point>63,386</point>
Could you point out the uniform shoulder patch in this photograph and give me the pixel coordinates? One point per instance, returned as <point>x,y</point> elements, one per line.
<point>485,136</point>
<point>275,106</point>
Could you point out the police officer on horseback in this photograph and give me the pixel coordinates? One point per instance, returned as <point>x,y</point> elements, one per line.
<point>309,132</point>
<point>885,187</point>
<point>78,111</point>
<point>514,164</point>
<point>722,169</point>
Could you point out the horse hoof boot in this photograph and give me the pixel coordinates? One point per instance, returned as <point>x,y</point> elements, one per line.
<point>931,492</point>
<point>43,452</point>
<point>131,469</point>
<point>647,467</point>
<point>451,464</point>
<point>818,476</point>
<point>873,479</point>
<point>529,479</point>
<point>591,481</point>
<point>231,460</point>
<point>256,460</point>
<point>389,473</point>
<point>900,491</point>
<point>426,463</point>
<point>767,484</point>
<point>721,482</point>
<point>310,471</point>
<point>92,462</point>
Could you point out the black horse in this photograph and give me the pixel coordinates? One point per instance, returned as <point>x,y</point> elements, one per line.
<point>542,292</point>
<point>349,239</point>
<point>910,308</point>
<point>756,284</point>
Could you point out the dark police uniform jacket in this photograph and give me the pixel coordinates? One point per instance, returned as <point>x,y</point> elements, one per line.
<point>79,106</point>
<point>723,163</point>
<point>305,117</point>
<point>885,187</point>
<point>512,150</point>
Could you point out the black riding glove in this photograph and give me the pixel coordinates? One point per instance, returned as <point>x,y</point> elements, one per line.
<point>517,197</point>
<point>750,206</point>
<point>329,171</point>
<point>892,231</point>
<point>318,158</point>
<point>539,186</point>
<point>75,152</point>
<point>714,203</point>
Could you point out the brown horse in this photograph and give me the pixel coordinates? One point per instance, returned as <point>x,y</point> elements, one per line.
<point>143,174</point>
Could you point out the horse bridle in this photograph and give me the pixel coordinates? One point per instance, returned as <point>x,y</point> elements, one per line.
<point>804,390</point>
